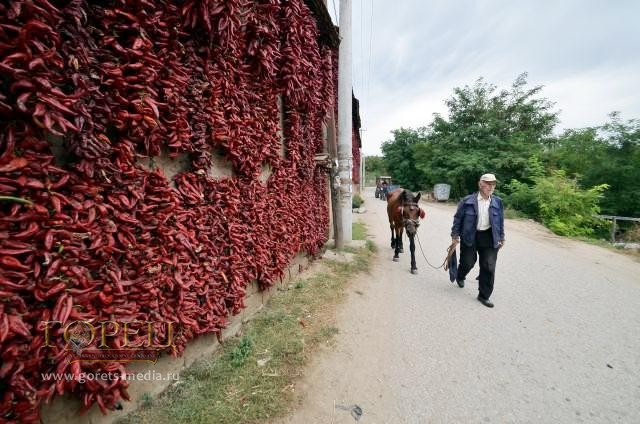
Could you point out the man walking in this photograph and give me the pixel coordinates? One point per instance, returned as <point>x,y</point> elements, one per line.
<point>479,224</point>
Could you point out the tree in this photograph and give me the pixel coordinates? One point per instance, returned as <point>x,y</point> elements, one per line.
<point>621,170</point>
<point>486,131</point>
<point>609,154</point>
<point>374,166</point>
<point>399,157</point>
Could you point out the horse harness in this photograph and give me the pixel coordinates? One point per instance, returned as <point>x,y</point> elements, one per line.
<point>405,221</point>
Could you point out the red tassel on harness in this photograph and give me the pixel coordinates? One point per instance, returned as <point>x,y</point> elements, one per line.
<point>422,213</point>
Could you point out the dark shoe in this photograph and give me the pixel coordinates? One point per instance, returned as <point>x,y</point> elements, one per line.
<point>485,302</point>
<point>460,283</point>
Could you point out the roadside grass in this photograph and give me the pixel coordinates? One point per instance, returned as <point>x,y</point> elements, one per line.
<point>371,246</point>
<point>634,253</point>
<point>359,231</point>
<point>253,376</point>
<point>514,214</point>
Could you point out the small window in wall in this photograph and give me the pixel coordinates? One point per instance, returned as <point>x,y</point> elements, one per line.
<point>325,136</point>
<point>221,167</point>
<point>281,112</point>
<point>60,152</point>
<point>265,173</point>
<point>170,166</point>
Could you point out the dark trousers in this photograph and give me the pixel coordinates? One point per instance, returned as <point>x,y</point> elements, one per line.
<point>483,247</point>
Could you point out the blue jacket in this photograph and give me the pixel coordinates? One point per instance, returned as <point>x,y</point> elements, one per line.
<point>465,221</point>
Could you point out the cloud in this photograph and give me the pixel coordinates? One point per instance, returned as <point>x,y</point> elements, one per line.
<point>582,51</point>
<point>594,94</point>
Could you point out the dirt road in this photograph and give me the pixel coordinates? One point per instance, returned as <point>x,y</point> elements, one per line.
<point>561,345</point>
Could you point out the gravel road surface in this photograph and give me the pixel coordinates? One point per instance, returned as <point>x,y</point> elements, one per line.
<point>562,344</point>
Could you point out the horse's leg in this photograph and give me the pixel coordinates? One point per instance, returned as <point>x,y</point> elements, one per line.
<point>412,248</point>
<point>393,239</point>
<point>396,254</point>
<point>399,239</point>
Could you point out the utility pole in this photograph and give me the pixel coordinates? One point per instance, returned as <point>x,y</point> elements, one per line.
<point>362,174</point>
<point>345,127</point>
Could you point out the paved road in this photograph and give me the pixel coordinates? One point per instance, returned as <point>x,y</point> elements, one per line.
<point>562,344</point>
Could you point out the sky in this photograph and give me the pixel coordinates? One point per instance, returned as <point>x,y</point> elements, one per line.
<point>409,55</point>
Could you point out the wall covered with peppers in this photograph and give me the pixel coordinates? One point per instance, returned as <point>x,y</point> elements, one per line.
<point>355,154</point>
<point>356,142</point>
<point>98,232</point>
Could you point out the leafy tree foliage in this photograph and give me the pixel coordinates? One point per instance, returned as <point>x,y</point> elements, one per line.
<point>374,167</point>
<point>607,154</point>
<point>486,131</point>
<point>399,157</point>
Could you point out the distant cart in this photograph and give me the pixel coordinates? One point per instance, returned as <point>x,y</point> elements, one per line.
<point>379,180</point>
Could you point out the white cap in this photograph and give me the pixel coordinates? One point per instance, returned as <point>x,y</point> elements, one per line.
<point>488,178</point>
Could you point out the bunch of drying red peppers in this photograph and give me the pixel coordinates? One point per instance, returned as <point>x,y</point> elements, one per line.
<point>91,230</point>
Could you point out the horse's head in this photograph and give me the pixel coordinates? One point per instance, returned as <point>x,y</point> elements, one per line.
<point>411,211</point>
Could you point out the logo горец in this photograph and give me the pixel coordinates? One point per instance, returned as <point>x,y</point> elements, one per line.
<point>80,335</point>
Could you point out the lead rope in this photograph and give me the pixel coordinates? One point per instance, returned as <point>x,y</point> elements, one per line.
<point>450,251</point>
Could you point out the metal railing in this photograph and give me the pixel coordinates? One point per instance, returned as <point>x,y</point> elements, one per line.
<point>614,219</point>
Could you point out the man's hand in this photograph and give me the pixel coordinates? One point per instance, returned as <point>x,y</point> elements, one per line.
<point>501,243</point>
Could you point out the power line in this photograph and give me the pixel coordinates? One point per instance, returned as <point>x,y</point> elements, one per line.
<point>335,12</point>
<point>370,44</point>
<point>361,49</point>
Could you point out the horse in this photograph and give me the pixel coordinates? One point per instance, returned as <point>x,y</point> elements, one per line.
<point>404,212</point>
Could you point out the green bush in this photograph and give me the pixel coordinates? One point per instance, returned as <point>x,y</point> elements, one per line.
<point>521,198</point>
<point>559,203</point>
<point>356,201</point>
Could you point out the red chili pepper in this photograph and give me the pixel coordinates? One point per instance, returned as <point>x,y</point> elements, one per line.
<point>55,290</point>
<point>4,326</point>
<point>31,229</point>
<point>9,251</point>
<point>14,165</point>
<point>13,263</point>
<point>61,182</point>
<point>17,326</point>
